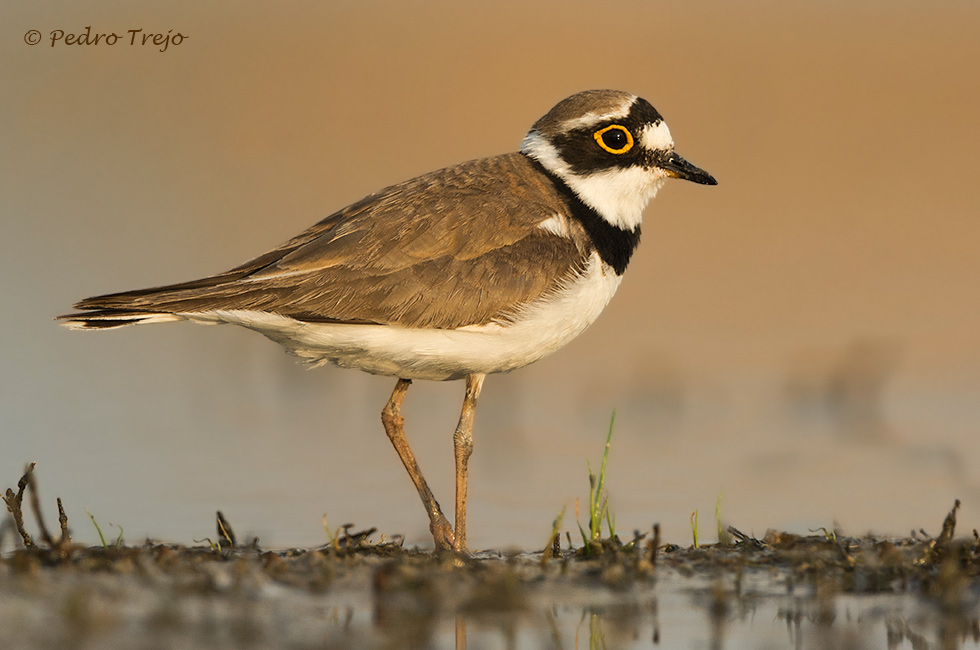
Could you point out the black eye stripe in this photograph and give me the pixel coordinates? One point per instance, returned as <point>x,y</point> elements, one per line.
<point>585,154</point>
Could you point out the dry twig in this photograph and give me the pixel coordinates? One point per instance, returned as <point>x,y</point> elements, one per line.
<point>14,502</point>
<point>36,507</point>
<point>226,536</point>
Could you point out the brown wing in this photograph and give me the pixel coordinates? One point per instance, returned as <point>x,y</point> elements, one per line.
<point>444,250</point>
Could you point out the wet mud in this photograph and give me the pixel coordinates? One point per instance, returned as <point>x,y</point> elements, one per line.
<point>362,590</point>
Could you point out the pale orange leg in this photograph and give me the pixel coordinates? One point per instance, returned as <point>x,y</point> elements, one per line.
<point>391,417</point>
<point>463,443</point>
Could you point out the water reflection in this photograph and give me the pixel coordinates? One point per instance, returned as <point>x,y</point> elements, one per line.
<point>875,623</point>
<point>679,611</point>
<point>230,606</point>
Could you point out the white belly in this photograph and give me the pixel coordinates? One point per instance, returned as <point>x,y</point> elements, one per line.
<point>439,354</point>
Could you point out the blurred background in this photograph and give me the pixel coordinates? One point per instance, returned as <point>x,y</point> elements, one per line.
<point>803,339</point>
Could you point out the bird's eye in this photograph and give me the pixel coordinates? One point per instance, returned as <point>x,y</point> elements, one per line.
<point>614,138</point>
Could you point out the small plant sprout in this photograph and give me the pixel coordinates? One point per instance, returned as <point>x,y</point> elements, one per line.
<point>119,538</point>
<point>333,538</point>
<point>97,529</point>
<point>599,498</point>
<point>326,529</point>
<point>694,528</point>
<point>610,522</point>
<point>831,535</point>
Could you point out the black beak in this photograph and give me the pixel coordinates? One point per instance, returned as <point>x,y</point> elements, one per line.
<point>679,168</point>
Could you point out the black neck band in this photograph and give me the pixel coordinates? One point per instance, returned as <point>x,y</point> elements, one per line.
<point>614,245</point>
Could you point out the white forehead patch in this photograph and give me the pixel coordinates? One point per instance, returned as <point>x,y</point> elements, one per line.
<point>656,137</point>
<point>591,119</point>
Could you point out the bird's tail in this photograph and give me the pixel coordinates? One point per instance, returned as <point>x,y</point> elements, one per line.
<point>153,305</point>
<point>106,319</point>
<point>109,311</point>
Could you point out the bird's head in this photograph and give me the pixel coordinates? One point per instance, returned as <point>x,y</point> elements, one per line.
<point>611,148</point>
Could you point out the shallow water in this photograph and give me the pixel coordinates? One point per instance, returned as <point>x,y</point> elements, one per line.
<point>231,605</point>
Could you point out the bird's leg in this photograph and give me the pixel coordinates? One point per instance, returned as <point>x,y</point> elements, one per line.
<point>463,443</point>
<point>391,417</point>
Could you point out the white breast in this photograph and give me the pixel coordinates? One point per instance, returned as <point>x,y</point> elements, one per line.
<point>534,332</point>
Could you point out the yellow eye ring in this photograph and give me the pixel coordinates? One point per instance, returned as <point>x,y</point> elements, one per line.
<point>614,133</point>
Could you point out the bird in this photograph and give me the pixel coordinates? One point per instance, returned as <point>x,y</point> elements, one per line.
<point>482,267</point>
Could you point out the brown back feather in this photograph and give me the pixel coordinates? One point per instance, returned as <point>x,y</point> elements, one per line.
<point>406,256</point>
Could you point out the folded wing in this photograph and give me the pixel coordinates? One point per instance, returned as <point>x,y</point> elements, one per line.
<point>408,255</point>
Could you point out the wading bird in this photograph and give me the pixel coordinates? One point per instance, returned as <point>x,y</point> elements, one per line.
<point>478,268</point>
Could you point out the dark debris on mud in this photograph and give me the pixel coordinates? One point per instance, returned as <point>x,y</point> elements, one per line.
<point>859,564</point>
<point>403,586</point>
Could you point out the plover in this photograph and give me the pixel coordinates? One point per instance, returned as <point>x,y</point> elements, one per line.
<point>478,268</point>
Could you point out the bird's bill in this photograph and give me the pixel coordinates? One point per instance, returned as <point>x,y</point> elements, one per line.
<point>677,167</point>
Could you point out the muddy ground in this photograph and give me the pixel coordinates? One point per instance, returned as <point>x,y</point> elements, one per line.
<point>820,590</point>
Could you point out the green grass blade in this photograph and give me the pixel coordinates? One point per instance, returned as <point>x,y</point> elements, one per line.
<point>598,499</point>
<point>97,529</point>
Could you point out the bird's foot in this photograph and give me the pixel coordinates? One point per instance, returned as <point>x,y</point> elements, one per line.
<point>442,533</point>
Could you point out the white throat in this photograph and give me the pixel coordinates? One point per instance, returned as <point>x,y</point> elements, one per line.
<point>618,195</point>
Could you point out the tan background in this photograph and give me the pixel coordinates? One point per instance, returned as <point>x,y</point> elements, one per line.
<point>803,338</point>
